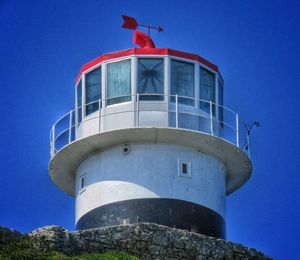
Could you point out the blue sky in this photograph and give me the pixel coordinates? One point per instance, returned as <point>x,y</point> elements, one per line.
<point>256,46</point>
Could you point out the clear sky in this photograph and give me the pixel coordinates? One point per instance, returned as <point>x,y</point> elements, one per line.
<point>256,46</point>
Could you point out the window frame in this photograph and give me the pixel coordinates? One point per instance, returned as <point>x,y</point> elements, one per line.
<point>82,180</point>
<point>85,89</point>
<point>188,164</point>
<point>215,103</point>
<point>106,82</point>
<point>79,107</point>
<point>194,98</point>
<point>220,106</point>
<point>162,95</point>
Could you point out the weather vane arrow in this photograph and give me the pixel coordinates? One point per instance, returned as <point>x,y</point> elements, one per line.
<point>132,24</point>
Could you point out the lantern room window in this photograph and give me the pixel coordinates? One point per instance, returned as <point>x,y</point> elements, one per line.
<point>182,82</point>
<point>92,90</point>
<point>150,78</point>
<point>118,82</point>
<point>221,103</point>
<point>79,101</point>
<point>207,90</point>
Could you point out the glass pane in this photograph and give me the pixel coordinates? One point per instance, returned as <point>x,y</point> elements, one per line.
<point>184,169</point>
<point>118,82</point>
<point>79,101</point>
<point>151,79</point>
<point>221,102</point>
<point>92,90</point>
<point>82,182</point>
<point>207,89</point>
<point>182,81</point>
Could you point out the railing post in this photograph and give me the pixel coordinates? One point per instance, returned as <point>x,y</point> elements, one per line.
<point>99,114</point>
<point>211,118</point>
<point>237,130</point>
<point>137,110</point>
<point>70,127</point>
<point>176,110</point>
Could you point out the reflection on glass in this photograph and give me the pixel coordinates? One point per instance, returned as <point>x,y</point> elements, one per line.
<point>79,102</point>
<point>207,90</point>
<point>118,82</point>
<point>151,78</point>
<point>93,90</point>
<point>182,81</point>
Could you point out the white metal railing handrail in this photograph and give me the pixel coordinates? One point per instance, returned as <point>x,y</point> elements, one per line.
<point>148,101</point>
<point>180,108</point>
<point>158,95</point>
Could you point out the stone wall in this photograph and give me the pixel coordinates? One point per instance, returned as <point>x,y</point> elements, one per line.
<point>147,241</point>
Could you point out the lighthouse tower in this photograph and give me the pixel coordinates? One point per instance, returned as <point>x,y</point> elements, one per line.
<point>149,140</point>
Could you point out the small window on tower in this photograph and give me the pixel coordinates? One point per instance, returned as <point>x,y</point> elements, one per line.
<point>184,169</point>
<point>82,183</point>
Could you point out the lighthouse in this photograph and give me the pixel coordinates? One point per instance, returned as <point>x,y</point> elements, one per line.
<point>149,140</point>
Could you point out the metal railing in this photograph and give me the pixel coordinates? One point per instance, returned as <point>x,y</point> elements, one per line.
<point>182,113</point>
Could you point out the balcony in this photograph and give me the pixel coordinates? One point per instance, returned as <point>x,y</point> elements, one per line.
<point>142,111</point>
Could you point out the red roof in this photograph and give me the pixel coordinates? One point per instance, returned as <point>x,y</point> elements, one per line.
<point>146,51</point>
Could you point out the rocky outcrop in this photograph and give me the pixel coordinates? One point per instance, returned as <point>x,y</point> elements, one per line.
<point>147,241</point>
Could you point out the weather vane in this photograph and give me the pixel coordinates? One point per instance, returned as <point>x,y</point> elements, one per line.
<point>131,23</point>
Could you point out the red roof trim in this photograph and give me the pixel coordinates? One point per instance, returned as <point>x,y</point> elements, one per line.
<point>143,51</point>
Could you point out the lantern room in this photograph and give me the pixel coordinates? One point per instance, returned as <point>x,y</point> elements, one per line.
<point>146,87</point>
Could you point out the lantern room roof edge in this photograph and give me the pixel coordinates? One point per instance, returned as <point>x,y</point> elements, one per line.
<point>146,51</point>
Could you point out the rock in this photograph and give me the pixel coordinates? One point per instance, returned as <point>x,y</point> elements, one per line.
<point>56,238</point>
<point>154,249</point>
<point>147,241</point>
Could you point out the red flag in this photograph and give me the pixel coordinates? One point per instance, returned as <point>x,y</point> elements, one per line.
<point>129,22</point>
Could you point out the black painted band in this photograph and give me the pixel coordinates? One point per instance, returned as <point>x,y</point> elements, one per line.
<point>168,212</point>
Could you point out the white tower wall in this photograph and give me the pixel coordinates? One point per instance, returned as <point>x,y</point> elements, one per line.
<point>150,171</point>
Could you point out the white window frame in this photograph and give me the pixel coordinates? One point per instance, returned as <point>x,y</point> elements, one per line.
<point>189,168</point>
<point>218,100</point>
<point>82,178</point>
<point>101,93</point>
<point>215,87</point>
<point>165,81</point>
<point>195,63</point>
<point>77,123</point>
<point>132,79</point>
